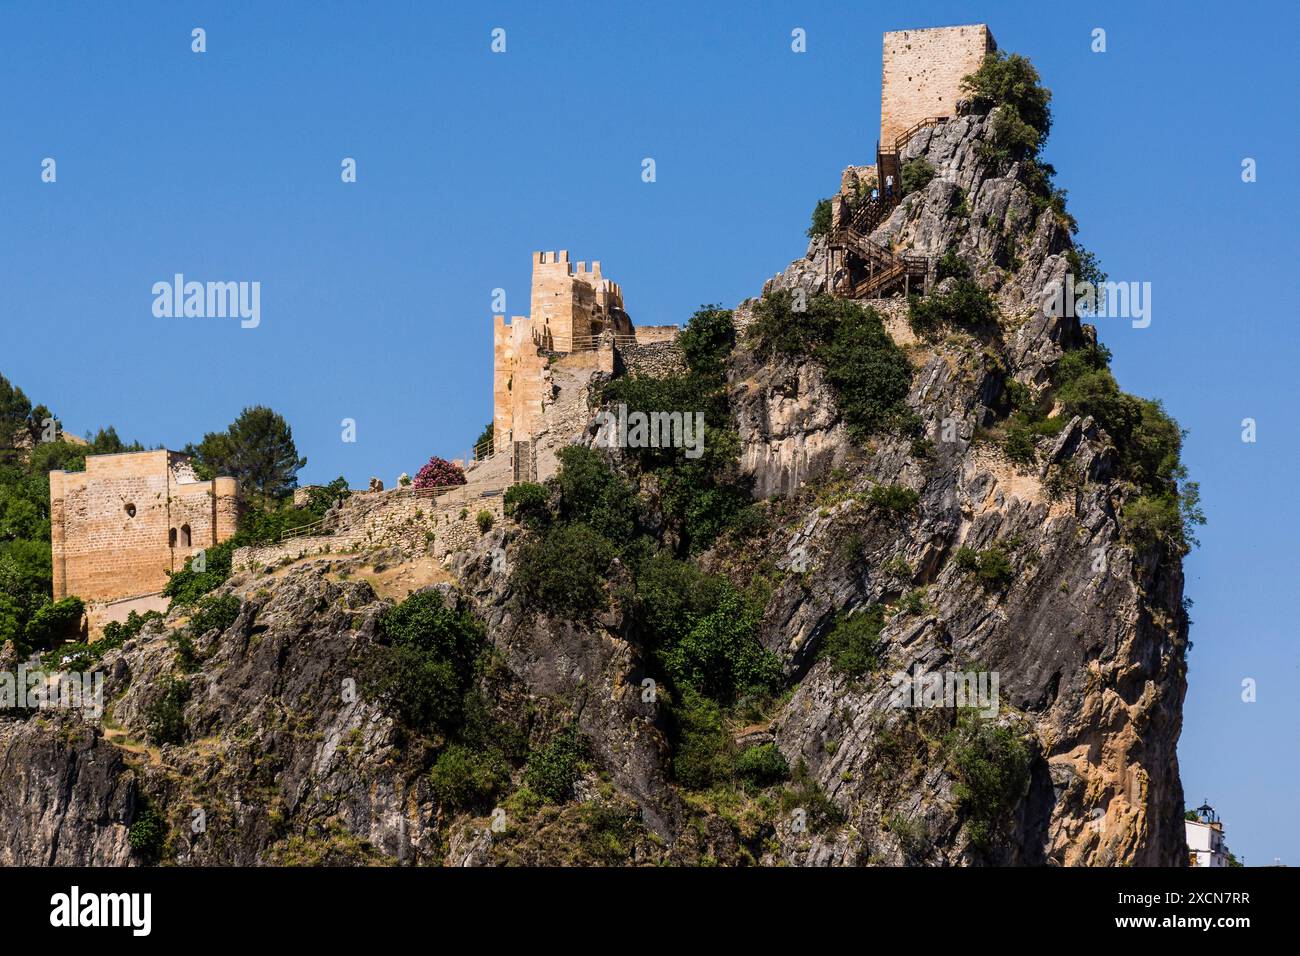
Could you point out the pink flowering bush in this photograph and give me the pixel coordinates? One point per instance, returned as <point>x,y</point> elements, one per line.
<point>438,473</point>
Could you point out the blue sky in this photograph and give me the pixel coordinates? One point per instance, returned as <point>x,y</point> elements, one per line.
<point>376,296</point>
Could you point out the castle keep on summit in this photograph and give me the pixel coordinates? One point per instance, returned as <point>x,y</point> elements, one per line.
<point>921,73</point>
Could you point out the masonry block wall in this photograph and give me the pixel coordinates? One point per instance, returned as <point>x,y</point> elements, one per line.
<point>922,72</point>
<point>118,528</point>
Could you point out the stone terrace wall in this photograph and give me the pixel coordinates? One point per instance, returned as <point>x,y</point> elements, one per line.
<point>398,518</point>
<point>655,359</point>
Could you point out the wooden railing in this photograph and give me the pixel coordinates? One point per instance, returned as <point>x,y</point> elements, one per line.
<point>307,530</point>
<point>883,266</point>
<point>583,343</point>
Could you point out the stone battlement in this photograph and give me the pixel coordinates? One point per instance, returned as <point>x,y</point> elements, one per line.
<point>574,308</point>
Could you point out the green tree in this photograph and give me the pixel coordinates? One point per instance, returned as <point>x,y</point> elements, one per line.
<point>484,445</point>
<point>257,449</point>
<point>821,219</point>
<point>1011,81</point>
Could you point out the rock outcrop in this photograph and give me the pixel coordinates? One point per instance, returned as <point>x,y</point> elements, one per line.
<point>284,759</point>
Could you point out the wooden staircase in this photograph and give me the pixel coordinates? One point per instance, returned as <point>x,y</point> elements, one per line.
<point>871,269</point>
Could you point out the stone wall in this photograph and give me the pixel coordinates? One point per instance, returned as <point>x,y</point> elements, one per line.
<point>922,72</point>
<point>646,334</point>
<point>119,527</point>
<point>655,359</point>
<point>401,518</point>
<point>517,379</point>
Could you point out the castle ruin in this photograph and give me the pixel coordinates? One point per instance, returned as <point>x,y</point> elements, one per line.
<point>576,311</point>
<point>119,527</point>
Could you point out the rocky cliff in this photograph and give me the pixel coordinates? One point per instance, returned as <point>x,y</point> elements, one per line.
<point>973,562</point>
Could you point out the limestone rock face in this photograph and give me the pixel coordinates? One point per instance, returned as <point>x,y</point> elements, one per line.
<point>1088,638</point>
<point>290,762</point>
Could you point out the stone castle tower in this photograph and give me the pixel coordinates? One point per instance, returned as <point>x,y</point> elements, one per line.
<point>118,528</point>
<point>920,79</point>
<point>572,308</point>
<point>921,73</point>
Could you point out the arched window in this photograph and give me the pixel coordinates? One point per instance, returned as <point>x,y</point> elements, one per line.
<point>171,538</point>
<point>185,536</point>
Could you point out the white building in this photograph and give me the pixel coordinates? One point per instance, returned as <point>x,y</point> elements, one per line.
<point>1205,843</point>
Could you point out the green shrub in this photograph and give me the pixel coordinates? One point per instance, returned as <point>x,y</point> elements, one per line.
<point>1011,81</point>
<point>1148,442</point>
<point>1164,519</point>
<point>911,832</point>
<point>916,175</point>
<point>719,654</point>
<point>426,622</point>
<point>853,645</point>
<point>564,572</point>
<point>463,778</point>
<point>898,498</point>
<point>991,764</point>
<point>700,629</point>
<point>1019,444</point>
<point>187,658</point>
<point>55,623</point>
<point>913,602</point>
<point>702,750</point>
<point>762,766</point>
<point>417,688</point>
<point>991,566</point>
<point>708,339</point>
<point>186,586</point>
<point>554,769</point>
<point>529,505</point>
<point>484,519</point>
<point>148,835</point>
<point>164,717</point>
<point>869,374</point>
<point>214,612</point>
<point>118,633</point>
<point>951,265</point>
<point>806,794</point>
<point>966,304</point>
<point>592,493</point>
<point>422,676</point>
<point>995,571</point>
<point>703,494</point>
